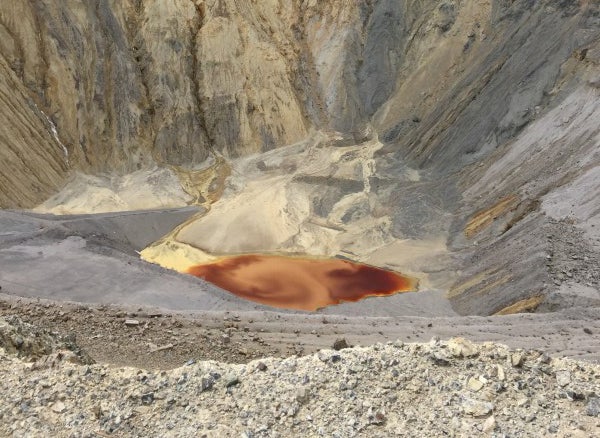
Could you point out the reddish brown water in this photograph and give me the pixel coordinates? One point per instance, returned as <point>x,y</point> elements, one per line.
<point>301,284</point>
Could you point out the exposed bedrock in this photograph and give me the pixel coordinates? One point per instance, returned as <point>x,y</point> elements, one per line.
<point>337,128</point>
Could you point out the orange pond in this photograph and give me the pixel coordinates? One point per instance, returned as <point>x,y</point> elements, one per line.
<point>301,284</point>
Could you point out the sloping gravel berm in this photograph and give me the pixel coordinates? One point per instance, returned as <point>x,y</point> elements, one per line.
<point>453,388</point>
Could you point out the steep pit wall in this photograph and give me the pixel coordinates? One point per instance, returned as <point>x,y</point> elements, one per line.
<point>482,113</point>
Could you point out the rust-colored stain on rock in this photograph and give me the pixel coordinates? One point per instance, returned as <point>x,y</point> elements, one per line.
<point>301,284</point>
<point>485,217</point>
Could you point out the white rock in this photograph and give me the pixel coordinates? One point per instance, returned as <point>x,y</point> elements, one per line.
<point>477,408</point>
<point>489,425</point>
<point>501,374</point>
<point>563,378</point>
<point>460,347</point>
<point>58,407</point>
<point>474,384</point>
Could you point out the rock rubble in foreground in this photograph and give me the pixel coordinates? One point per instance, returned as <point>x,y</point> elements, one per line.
<point>443,388</point>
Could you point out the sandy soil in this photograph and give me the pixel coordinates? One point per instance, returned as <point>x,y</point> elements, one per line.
<point>159,339</point>
<point>141,190</point>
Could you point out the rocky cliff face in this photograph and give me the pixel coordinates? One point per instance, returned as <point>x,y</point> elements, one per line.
<point>444,121</point>
<point>34,162</point>
<point>130,83</point>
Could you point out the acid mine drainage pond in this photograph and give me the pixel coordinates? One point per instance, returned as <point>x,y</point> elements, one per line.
<point>301,283</point>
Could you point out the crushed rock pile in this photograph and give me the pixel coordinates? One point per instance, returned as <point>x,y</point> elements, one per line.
<point>35,344</point>
<point>443,388</point>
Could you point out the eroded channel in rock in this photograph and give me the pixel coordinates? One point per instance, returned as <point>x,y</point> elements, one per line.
<point>301,284</point>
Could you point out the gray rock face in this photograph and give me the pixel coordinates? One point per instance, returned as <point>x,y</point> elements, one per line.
<point>498,86</point>
<point>388,26</point>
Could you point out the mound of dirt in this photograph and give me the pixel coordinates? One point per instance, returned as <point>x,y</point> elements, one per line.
<point>453,388</point>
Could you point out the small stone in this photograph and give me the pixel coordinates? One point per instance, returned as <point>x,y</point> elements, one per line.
<point>474,384</point>
<point>460,347</point>
<point>302,395</point>
<point>501,373</point>
<point>148,398</point>
<point>378,419</point>
<point>489,425</point>
<point>544,359</point>
<point>593,407</point>
<point>574,395</point>
<point>340,344</point>
<point>523,402</point>
<point>59,407</point>
<point>516,359</point>
<point>18,342</point>
<point>563,378</point>
<point>328,356</point>
<point>439,359</point>
<point>156,348</point>
<point>132,322</point>
<point>97,411</point>
<point>206,383</point>
<point>477,408</point>
<point>232,381</point>
<point>261,367</point>
<point>587,331</point>
<point>520,385</point>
